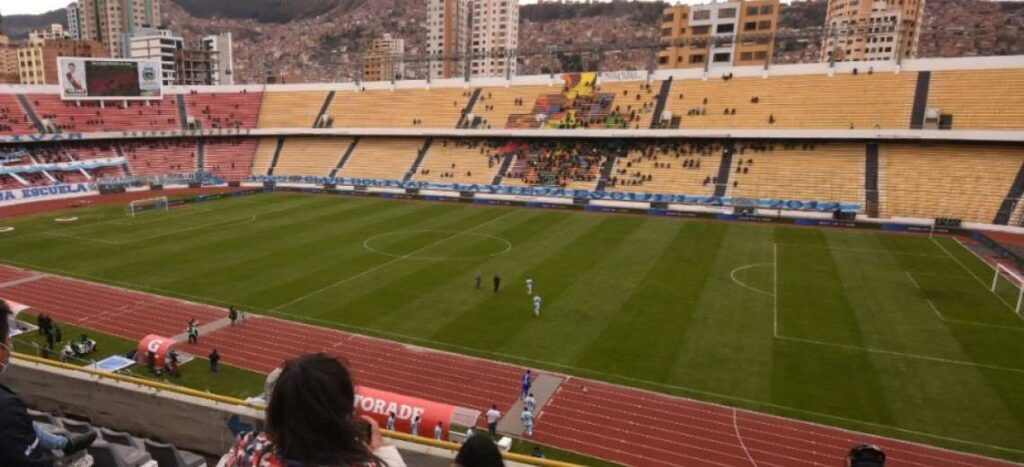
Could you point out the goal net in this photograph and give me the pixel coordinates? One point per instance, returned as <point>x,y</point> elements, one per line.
<point>140,206</point>
<point>1009,286</point>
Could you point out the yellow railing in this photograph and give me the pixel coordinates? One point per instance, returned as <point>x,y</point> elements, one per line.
<point>238,402</point>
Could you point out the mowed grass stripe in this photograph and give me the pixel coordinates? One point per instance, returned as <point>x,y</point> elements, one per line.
<point>288,259</point>
<point>717,330</point>
<point>597,306</point>
<point>534,240</point>
<point>814,305</point>
<point>893,315</point>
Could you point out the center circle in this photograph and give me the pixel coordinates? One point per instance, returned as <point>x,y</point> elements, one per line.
<point>426,239</point>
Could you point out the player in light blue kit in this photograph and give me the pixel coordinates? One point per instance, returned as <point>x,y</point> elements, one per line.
<point>529,286</point>
<point>527,418</point>
<point>536,305</point>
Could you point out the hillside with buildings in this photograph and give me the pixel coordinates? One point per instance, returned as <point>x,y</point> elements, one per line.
<point>326,40</point>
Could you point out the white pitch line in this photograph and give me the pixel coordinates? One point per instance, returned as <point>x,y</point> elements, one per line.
<point>909,276</point>
<point>980,281</point>
<point>861,250</point>
<point>732,275</point>
<point>935,309</point>
<point>903,355</point>
<point>775,294</point>
<point>388,263</point>
<point>736,426</point>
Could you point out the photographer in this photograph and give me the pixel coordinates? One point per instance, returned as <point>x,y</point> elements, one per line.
<point>311,421</point>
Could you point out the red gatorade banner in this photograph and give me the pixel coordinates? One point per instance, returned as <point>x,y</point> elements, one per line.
<point>156,344</point>
<point>380,404</point>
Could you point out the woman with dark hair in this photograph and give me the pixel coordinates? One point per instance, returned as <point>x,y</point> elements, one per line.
<point>479,451</point>
<point>311,421</point>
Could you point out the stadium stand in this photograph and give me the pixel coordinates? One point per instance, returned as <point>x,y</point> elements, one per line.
<point>13,119</point>
<point>569,164</point>
<point>294,109</point>
<point>806,171</point>
<point>263,160</point>
<point>958,181</point>
<point>112,116</point>
<point>435,108</point>
<point>496,106</point>
<point>159,157</point>
<point>230,159</point>
<point>861,101</point>
<point>382,158</point>
<point>668,168</point>
<point>223,110</point>
<point>460,161</point>
<point>315,156</point>
<point>980,99</point>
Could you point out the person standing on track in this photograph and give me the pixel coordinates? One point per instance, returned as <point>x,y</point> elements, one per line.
<point>527,384</point>
<point>527,418</point>
<point>232,314</point>
<point>497,283</point>
<point>530,403</point>
<point>493,416</point>
<point>193,331</point>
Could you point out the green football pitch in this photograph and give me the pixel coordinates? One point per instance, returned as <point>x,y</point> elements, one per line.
<point>896,334</point>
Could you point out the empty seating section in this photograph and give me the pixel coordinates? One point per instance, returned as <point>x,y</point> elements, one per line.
<point>382,158</point>
<point>497,107</point>
<point>966,182</point>
<point>230,158</point>
<point>161,157</point>
<point>13,119</point>
<point>685,170</point>
<point>459,161</point>
<point>434,108</point>
<point>264,157</point>
<point>113,448</point>
<point>294,109</point>
<point>980,99</point>
<point>311,155</point>
<point>224,110</point>
<point>864,101</point>
<point>88,116</point>
<point>802,171</point>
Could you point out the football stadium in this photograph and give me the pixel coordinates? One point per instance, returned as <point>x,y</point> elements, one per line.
<point>695,263</point>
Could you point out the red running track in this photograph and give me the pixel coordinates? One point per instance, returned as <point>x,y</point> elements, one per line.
<point>613,422</point>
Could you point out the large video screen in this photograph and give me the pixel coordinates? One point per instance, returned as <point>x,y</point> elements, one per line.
<point>91,78</point>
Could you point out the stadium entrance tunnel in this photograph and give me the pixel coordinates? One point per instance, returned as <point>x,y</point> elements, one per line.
<point>437,245</point>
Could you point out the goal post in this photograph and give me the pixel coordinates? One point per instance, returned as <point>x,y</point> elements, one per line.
<point>1009,286</point>
<point>139,206</point>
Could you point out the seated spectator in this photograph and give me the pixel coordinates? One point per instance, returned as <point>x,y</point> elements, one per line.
<point>311,422</point>
<point>479,451</point>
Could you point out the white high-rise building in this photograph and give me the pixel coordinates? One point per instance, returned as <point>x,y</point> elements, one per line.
<point>220,48</point>
<point>447,37</point>
<point>74,16</point>
<point>494,37</point>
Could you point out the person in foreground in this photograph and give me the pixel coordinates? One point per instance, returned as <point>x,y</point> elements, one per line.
<point>22,442</point>
<point>311,422</point>
<point>479,451</point>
